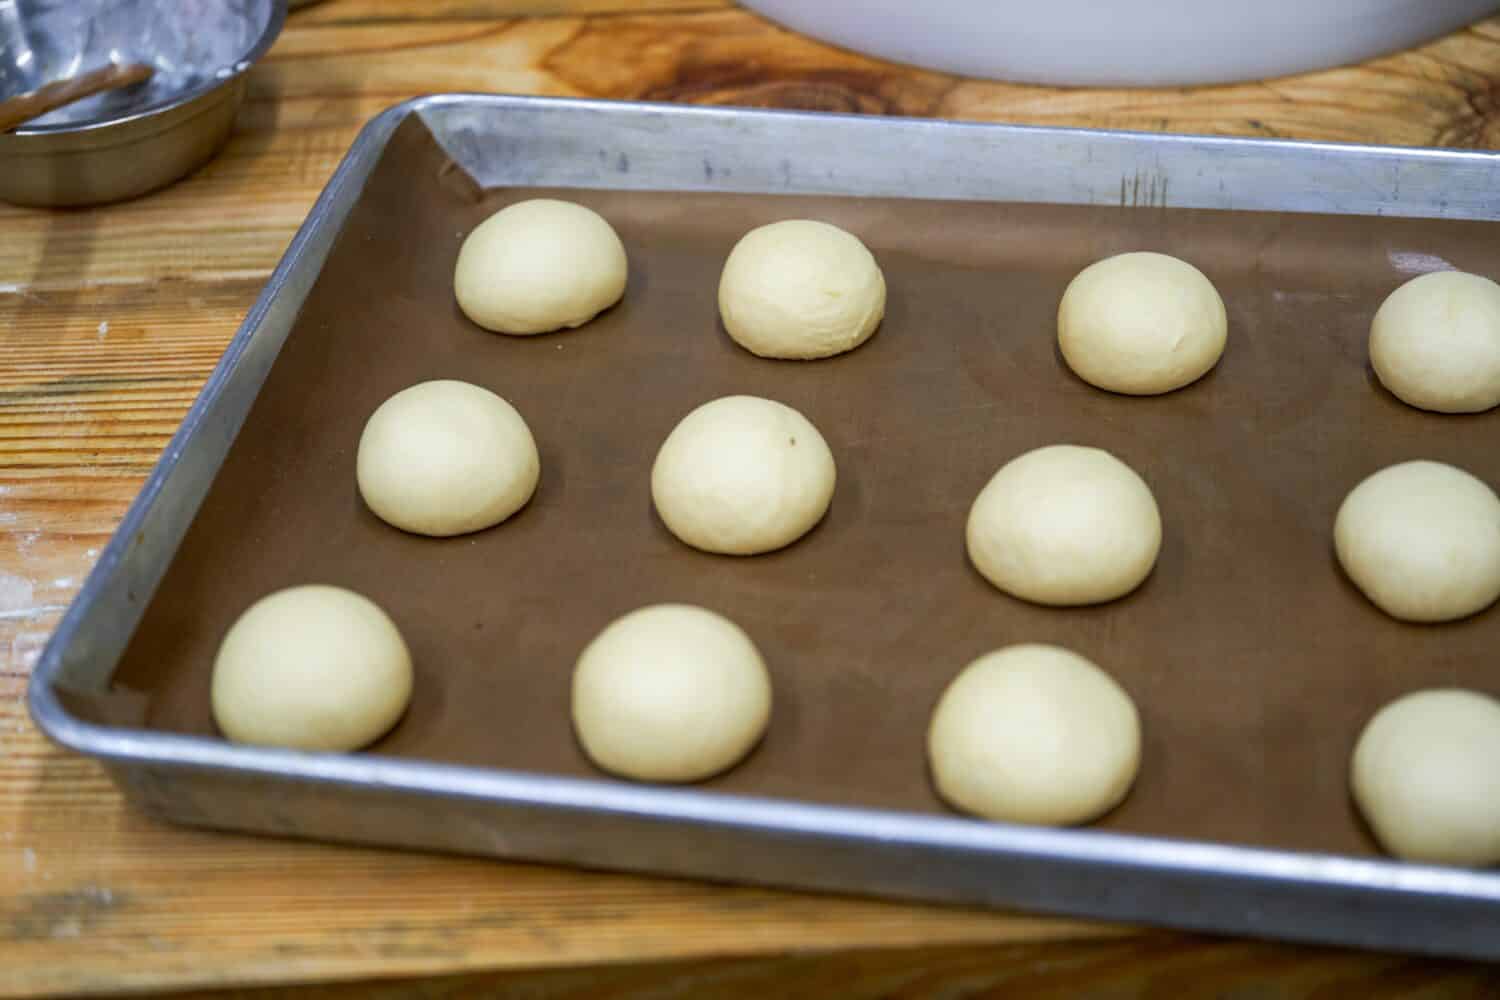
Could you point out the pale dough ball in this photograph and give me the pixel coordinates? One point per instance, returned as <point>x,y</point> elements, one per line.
<point>1141,323</point>
<point>801,289</point>
<point>446,458</point>
<point>1065,525</point>
<point>1034,734</point>
<point>1435,342</point>
<point>312,668</point>
<point>742,475</point>
<point>1422,540</point>
<point>539,265</point>
<point>1425,778</point>
<point>670,692</point>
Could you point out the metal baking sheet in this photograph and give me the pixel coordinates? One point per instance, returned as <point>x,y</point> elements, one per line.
<point>1253,662</point>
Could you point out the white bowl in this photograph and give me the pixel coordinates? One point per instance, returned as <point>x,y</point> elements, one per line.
<point>1125,42</point>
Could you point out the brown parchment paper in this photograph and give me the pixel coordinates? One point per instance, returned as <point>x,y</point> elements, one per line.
<point>1253,661</point>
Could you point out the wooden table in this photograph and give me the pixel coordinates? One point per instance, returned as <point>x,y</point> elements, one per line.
<point>111,319</point>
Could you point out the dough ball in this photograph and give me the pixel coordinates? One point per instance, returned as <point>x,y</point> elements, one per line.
<point>1424,775</point>
<point>1435,342</point>
<point>312,668</point>
<point>670,692</point>
<point>1422,540</point>
<point>801,289</point>
<point>1065,525</point>
<point>446,458</point>
<point>742,475</point>
<point>1034,734</point>
<point>538,266</point>
<point>1141,323</point>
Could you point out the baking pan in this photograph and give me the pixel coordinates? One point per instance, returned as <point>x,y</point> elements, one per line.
<point>1253,661</point>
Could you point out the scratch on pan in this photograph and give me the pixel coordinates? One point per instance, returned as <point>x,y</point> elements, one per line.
<point>1149,190</point>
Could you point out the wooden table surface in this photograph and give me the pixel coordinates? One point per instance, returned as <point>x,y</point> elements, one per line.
<point>111,319</point>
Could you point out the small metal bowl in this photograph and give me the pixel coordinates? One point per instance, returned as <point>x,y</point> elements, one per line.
<point>122,144</point>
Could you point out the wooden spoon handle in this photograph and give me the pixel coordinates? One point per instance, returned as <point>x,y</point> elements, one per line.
<point>19,110</point>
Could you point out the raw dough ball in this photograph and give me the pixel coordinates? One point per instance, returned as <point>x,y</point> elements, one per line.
<point>1424,777</point>
<point>1034,734</point>
<point>538,266</point>
<point>446,458</point>
<point>670,692</point>
<point>742,475</point>
<point>312,668</point>
<point>1065,525</point>
<point>1422,540</point>
<point>801,289</point>
<point>1435,342</point>
<point>1141,323</point>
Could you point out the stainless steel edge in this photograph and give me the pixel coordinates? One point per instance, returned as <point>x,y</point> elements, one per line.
<point>90,168</point>
<point>96,626</point>
<point>599,823</point>
<point>569,142</point>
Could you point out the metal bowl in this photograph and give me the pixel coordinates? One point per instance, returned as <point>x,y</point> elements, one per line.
<point>122,144</point>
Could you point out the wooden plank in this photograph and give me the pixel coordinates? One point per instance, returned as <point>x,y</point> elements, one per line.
<point>323,81</point>
<point>111,319</point>
<point>1136,967</point>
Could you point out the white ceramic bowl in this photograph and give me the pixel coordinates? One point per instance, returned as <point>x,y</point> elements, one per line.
<point>1125,42</point>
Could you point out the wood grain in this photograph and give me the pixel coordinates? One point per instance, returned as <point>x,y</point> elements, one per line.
<point>111,319</point>
<point>1141,966</point>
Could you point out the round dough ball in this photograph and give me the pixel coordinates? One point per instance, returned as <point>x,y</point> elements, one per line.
<point>1424,777</point>
<point>538,266</point>
<point>446,458</point>
<point>1141,323</point>
<point>1422,540</point>
<point>1034,734</point>
<point>670,692</point>
<point>1065,525</point>
<point>801,289</point>
<point>311,668</point>
<point>742,475</point>
<point>1435,342</point>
